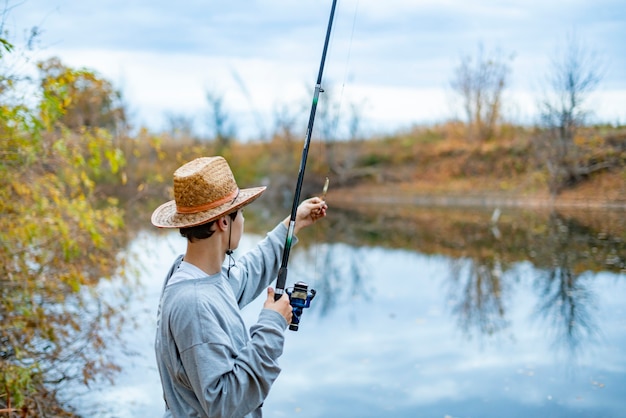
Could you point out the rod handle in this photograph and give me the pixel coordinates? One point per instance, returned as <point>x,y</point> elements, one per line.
<point>280,283</point>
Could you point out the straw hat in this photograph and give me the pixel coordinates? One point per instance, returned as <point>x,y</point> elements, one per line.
<point>204,190</point>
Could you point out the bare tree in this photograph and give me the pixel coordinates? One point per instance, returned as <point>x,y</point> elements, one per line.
<point>5,80</point>
<point>574,75</point>
<point>286,138</point>
<point>337,118</point>
<point>179,126</point>
<point>480,81</point>
<point>219,121</point>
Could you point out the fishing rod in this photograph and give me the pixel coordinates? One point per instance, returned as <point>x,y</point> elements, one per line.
<point>301,297</point>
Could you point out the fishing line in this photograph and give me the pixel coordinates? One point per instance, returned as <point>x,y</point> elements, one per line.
<point>335,126</point>
<point>349,55</point>
<point>301,295</point>
<point>282,272</point>
<point>318,271</point>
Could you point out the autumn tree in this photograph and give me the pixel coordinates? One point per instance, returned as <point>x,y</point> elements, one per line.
<point>58,240</point>
<point>89,101</point>
<point>480,82</point>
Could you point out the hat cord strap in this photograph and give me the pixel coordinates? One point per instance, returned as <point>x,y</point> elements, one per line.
<point>229,251</point>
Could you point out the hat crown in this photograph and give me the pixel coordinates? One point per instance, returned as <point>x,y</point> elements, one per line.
<point>203,183</point>
<point>204,190</point>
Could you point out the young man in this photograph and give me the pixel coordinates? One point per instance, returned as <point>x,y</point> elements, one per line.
<point>210,365</point>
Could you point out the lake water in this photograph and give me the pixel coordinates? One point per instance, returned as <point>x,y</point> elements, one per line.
<point>438,313</point>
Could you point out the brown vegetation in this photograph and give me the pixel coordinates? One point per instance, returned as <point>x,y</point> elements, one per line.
<point>437,166</point>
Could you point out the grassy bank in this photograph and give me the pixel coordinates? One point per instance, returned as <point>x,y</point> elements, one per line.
<point>435,167</point>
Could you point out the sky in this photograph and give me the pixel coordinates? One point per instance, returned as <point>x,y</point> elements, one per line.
<point>390,62</point>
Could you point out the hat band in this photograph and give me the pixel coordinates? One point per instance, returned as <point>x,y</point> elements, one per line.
<point>210,205</point>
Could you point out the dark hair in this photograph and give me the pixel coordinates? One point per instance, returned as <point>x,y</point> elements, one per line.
<point>203,231</point>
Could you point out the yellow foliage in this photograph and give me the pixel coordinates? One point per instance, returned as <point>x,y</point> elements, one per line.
<point>56,237</point>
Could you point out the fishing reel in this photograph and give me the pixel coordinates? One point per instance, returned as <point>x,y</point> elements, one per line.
<point>300,297</point>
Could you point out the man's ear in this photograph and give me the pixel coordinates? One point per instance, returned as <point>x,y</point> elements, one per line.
<point>222,223</point>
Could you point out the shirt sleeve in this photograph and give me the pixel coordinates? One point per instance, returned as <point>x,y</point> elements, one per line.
<point>256,269</point>
<point>235,384</point>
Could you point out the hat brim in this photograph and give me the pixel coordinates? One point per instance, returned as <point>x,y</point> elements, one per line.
<point>166,216</point>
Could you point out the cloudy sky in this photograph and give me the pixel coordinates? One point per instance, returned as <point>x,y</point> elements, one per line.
<point>392,60</point>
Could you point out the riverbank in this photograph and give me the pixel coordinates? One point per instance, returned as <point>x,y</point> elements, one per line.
<point>460,174</point>
<point>596,194</point>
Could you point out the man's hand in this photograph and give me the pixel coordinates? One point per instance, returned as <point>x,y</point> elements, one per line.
<point>309,212</point>
<point>281,305</point>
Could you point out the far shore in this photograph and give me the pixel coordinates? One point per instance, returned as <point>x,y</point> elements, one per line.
<point>389,196</point>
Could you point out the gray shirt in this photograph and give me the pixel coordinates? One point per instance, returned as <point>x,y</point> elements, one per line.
<point>210,365</point>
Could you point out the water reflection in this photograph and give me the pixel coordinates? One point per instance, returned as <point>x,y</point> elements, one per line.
<point>566,302</point>
<point>477,292</point>
<point>436,313</point>
<point>332,265</point>
<point>487,247</point>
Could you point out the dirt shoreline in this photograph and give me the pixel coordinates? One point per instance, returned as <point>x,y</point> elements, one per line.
<point>389,196</point>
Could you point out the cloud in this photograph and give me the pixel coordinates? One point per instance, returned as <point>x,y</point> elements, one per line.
<point>391,55</point>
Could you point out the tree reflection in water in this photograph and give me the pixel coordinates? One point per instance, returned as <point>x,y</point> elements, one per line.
<point>566,250</point>
<point>476,295</point>
<point>566,304</point>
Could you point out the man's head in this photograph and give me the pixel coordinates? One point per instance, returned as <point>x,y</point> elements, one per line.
<point>204,231</point>
<point>204,191</point>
